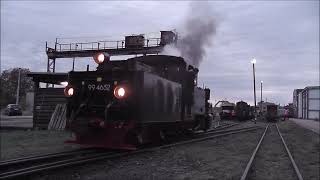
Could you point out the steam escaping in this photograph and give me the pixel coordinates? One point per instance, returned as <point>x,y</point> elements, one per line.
<point>198,30</point>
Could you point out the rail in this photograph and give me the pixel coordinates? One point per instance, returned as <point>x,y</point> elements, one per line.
<point>249,164</point>
<point>246,171</point>
<point>296,169</point>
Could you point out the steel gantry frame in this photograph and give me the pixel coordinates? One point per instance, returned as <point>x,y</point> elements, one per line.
<point>89,49</point>
<point>113,48</point>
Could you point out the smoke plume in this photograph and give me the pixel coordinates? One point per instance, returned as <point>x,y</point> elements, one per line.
<point>198,30</point>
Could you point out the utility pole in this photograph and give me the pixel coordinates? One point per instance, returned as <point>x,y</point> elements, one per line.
<point>18,88</point>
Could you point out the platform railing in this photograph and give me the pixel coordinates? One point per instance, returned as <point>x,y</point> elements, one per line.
<point>101,45</point>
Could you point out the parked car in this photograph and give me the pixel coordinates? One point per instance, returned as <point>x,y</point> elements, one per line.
<point>13,109</point>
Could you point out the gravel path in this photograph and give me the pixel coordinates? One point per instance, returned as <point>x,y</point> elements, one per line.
<point>304,146</point>
<point>271,161</point>
<point>221,158</point>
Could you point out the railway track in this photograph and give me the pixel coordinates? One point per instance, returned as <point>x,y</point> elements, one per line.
<point>275,153</point>
<point>28,159</point>
<point>18,168</point>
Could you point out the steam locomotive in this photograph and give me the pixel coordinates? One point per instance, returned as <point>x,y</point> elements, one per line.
<point>126,103</point>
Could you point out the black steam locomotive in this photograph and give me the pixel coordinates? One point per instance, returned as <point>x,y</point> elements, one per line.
<point>130,102</point>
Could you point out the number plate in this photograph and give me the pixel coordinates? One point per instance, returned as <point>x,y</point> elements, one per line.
<point>99,87</point>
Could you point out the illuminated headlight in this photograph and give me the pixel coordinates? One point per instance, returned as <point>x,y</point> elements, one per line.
<point>68,91</point>
<point>101,57</point>
<point>119,92</point>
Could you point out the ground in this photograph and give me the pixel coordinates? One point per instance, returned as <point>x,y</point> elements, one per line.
<point>309,124</point>
<point>17,143</point>
<point>220,158</point>
<point>16,122</point>
<point>271,161</point>
<point>212,159</point>
<point>304,145</point>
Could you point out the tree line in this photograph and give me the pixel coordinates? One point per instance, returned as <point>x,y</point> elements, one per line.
<point>9,84</point>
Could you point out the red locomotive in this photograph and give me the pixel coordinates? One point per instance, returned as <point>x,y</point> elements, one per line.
<point>130,102</point>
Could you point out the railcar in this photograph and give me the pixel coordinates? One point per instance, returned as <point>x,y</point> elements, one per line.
<point>127,103</point>
<point>271,113</point>
<point>242,110</point>
<point>227,110</point>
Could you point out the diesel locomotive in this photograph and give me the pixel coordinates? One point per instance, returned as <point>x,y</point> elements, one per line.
<point>126,103</point>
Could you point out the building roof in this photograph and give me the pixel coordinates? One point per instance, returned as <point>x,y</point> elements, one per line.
<point>48,77</point>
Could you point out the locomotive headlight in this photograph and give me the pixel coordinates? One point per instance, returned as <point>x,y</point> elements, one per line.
<point>101,57</point>
<point>68,91</point>
<point>119,92</point>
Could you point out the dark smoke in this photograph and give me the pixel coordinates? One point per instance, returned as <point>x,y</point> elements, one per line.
<point>198,30</point>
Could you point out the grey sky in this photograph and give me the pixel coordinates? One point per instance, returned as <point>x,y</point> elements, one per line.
<point>282,36</point>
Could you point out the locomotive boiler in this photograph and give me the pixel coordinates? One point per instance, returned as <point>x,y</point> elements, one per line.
<point>130,102</point>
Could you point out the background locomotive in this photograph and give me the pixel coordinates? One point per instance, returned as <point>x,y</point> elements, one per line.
<point>225,109</point>
<point>242,110</point>
<point>126,103</point>
<point>272,113</point>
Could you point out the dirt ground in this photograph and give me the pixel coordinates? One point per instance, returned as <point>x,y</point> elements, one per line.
<point>19,143</point>
<point>221,158</point>
<point>304,146</point>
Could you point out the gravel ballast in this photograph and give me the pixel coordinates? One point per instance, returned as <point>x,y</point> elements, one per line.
<point>220,158</point>
<point>272,161</point>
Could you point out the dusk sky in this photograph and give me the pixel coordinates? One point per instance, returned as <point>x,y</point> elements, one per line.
<point>282,36</point>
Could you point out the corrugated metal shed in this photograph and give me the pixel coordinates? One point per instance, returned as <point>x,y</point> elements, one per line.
<point>46,99</point>
<point>308,103</point>
<point>45,102</point>
<point>295,102</point>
